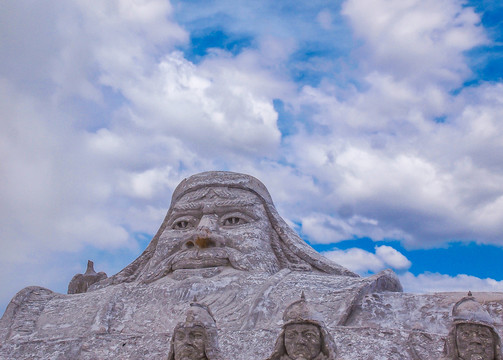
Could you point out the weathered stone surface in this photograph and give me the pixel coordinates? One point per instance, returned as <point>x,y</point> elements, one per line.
<point>428,319</point>
<point>223,242</point>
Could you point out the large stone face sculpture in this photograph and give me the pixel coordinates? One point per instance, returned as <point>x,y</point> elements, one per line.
<point>218,220</point>
<point>304,336</point>
<point>196,338</point>
<point>472,335</point>
<point>223,241</point>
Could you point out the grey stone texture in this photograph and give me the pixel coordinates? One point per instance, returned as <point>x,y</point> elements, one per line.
<point>223,242</point>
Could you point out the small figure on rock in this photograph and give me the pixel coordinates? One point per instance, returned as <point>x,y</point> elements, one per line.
<point>304,336</point>
<point>472,335</point>
<point>196,338</point>
<point>81,282</point>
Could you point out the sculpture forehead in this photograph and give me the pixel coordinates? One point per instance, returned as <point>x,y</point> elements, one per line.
<point>302,327</point>
<point>190,328</point>
<point>474,327</point>
<point>216,197</point>
<point>222,179</point>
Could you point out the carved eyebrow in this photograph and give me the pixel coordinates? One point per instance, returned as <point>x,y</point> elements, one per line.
<point>235,203</point>
<point>188,206</point>
<point>224,203</point>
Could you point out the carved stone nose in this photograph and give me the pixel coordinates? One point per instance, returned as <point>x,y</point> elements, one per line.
<point>205,235</point>
<point>208,223</point>
<point>201,242</point>
<point>300,339</point>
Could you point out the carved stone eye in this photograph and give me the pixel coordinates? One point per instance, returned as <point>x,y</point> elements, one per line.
<point>291,334</point>
<point>180,225</point>
<point>196,335</point>
<point>233,220</point>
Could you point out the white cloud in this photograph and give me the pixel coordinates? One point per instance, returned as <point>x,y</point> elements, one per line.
<point>357,260</point>
<point>148,183</point>
<point>435,282</point>
<point>123,35</point>
<point>90,229</point>
<point>378,149</point>
<point>429,181</point>
<point>364,262</point>
<point>416,39</point>
<point>392,257</point>
<point>324,229</point>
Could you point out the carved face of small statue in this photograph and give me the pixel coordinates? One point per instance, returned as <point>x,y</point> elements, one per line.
<point>216,227</point>
<point>302,341</point>
<point>474,342</point>
<point>189,343</point>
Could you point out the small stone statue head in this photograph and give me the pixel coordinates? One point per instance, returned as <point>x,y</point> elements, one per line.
<point>302,341</point>
<point>196,338</point>
<point>472,335</point>
<point>304,336</point>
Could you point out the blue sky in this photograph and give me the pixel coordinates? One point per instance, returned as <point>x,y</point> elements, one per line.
<point>376,125</point>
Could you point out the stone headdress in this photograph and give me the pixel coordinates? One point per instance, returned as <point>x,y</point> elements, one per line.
<point>470,311</point>
<point>292,252</point>
<point>200,315</point>
<point>299,312</point>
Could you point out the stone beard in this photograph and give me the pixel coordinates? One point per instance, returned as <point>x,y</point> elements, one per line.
<point>215,227</point>
<point>302,341</point>
<point>475,342</point>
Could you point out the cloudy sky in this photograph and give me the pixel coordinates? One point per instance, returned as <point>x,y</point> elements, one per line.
<point>377,126</point>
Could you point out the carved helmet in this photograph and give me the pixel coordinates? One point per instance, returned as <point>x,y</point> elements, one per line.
<point>470,311</point>
<point>200,315</point>
<point>299,312</point>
